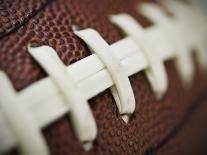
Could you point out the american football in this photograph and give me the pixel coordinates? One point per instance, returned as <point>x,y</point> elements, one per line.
<point>103,77</point>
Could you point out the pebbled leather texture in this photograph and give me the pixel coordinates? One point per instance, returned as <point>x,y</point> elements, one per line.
<point>50,23</point>
<point>13,14</point>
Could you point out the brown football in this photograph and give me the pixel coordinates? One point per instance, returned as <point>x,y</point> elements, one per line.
<point>174,125</point>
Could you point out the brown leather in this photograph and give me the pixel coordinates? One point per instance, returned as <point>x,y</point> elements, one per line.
<point>190,136</point>
<point>153,120</point>
<point>15,13</point>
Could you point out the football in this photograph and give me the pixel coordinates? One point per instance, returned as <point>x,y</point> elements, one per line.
<point>103,77</point>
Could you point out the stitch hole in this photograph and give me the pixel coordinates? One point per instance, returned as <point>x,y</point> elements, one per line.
<point>127,118</point>
<point>143,20</point>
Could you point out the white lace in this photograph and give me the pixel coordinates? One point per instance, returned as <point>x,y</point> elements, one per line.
<point>67,89</point>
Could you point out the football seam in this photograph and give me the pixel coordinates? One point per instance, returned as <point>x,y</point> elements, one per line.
<point>30,16</point>
<point>197,103</point>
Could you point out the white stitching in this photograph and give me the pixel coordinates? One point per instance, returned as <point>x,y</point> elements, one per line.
<point>146,40</point>
<point>19,119</point>
<point>81,115</point>
<point>122,90</point>
<point>190,34</point>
